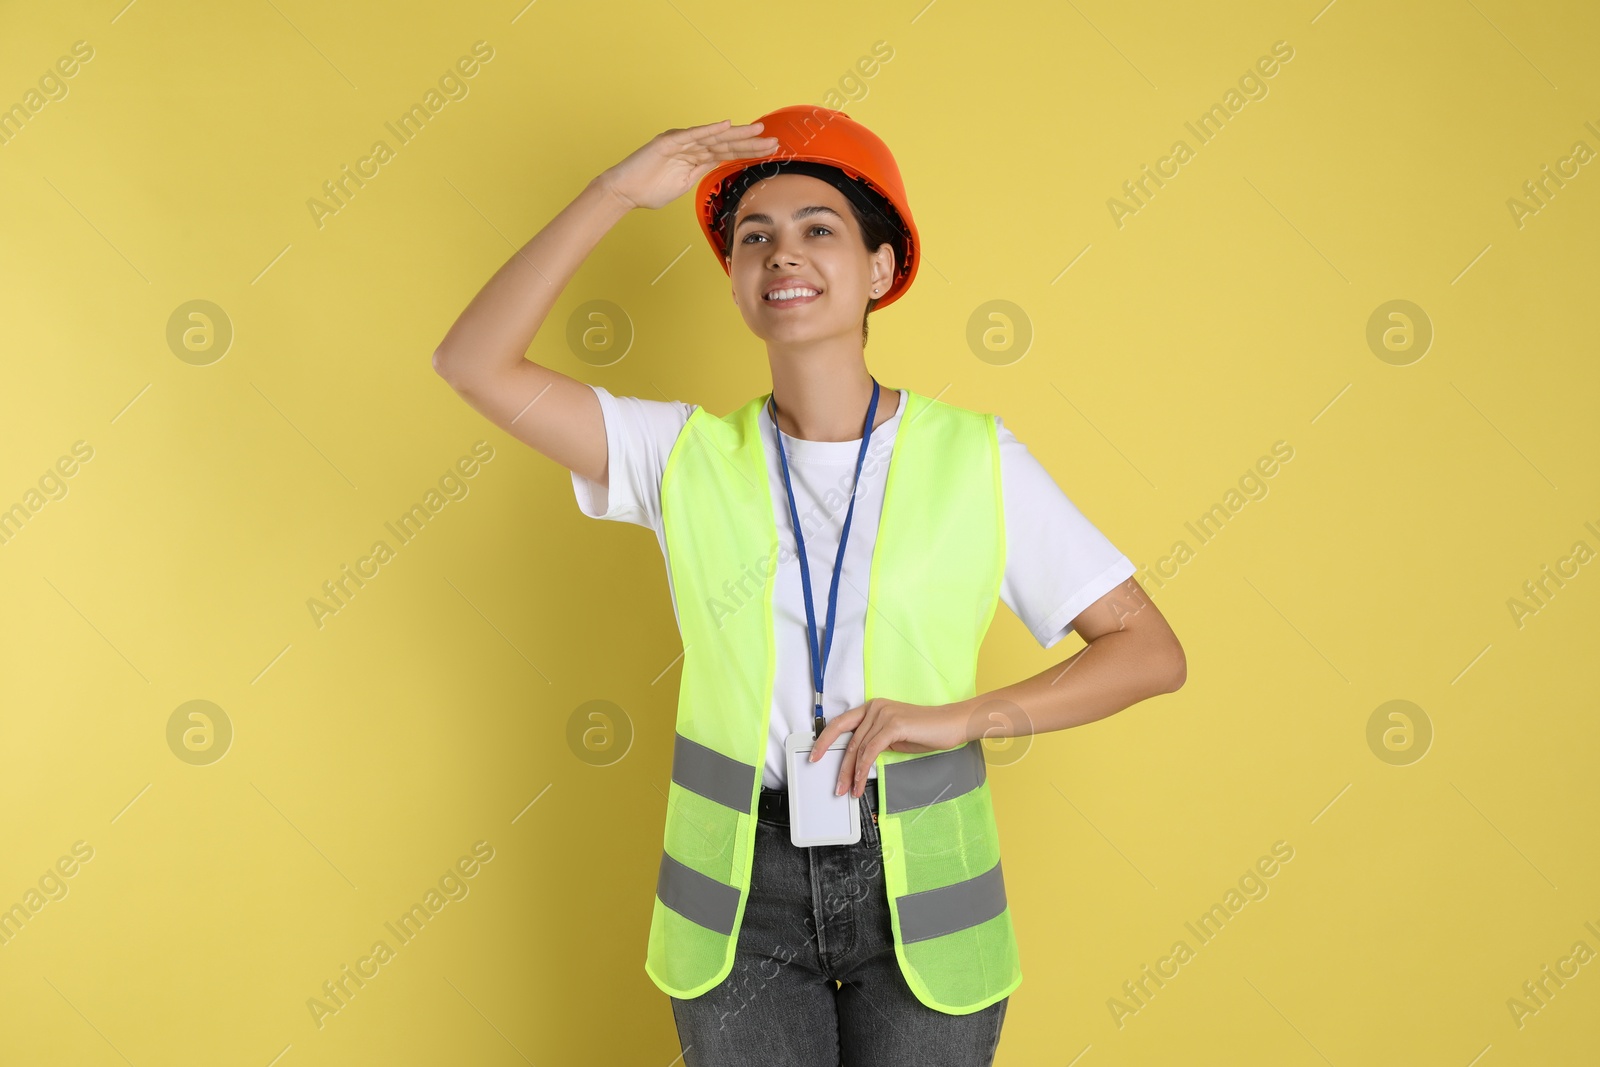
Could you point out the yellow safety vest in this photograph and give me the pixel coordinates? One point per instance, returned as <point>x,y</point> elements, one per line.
<point>935,580</point>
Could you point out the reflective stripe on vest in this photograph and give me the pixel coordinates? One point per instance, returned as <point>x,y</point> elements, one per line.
<point>942,515</point>
<point>694,896</point>
<point>711,774</point>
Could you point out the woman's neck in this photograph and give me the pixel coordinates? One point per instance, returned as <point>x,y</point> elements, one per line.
<point>819,402</point>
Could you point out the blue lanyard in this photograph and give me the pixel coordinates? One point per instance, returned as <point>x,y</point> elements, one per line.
<point>820,663</point>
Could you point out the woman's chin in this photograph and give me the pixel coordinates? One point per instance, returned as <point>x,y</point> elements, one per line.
<point>793,331</point>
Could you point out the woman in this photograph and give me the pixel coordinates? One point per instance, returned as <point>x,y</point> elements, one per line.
<point>803,578</point>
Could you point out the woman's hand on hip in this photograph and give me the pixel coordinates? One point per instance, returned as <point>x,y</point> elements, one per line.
<point>881,725</point>
<point>673,161</point>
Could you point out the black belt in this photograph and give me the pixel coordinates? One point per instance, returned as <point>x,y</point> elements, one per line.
<point>773,805</point>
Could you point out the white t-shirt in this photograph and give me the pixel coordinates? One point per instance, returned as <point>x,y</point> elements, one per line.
<point>1057,562</point>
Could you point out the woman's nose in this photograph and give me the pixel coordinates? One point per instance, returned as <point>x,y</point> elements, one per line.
<point>782,252</point>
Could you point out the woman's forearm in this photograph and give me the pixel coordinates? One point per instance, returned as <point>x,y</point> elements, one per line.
<point>495,330</point>
<point>1114,671</point>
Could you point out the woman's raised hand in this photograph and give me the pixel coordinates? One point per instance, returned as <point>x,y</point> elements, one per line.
<point>673,161</point>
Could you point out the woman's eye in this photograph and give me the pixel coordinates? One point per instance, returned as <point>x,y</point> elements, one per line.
<point>814,226</point>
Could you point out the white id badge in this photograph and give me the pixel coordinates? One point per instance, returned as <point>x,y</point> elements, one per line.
<point>816,815</point>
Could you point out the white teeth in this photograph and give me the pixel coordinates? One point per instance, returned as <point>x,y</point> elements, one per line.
<point>790,294</point>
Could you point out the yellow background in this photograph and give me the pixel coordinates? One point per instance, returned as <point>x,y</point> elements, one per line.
<point>1229,313</point>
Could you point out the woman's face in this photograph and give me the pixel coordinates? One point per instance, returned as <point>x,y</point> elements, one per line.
<point>793,231</point>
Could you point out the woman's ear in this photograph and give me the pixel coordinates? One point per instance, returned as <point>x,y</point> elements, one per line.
<point>884,258</point>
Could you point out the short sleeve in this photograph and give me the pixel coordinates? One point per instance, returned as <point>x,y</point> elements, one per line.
<point>639,436</point>
<point>1057,561</point>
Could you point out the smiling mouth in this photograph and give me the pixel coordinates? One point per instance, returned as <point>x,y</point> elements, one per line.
<point>793,296</point>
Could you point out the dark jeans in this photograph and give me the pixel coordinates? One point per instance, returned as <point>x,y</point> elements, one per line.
<point>815,915</point>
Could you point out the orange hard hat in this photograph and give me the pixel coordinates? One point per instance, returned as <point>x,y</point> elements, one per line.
<point>822,143</point>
